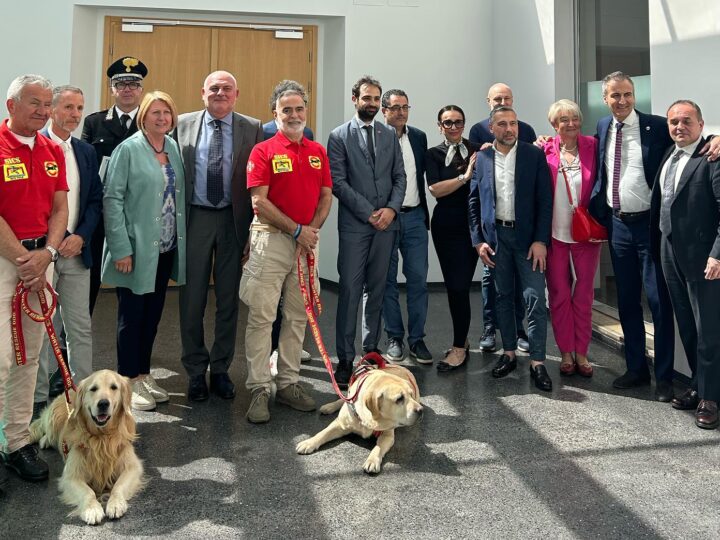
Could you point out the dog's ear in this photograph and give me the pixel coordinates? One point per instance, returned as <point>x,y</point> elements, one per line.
<point>126,395</point>
<point>373,404</point>
<point>77,402</point>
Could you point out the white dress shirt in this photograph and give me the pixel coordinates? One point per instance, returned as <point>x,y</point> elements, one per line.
<point>412,196</point>
<point>634,190</point>
<point>131,114</point>
<point>688,151</point>
<point>505,183</point>
<point>72,175</point>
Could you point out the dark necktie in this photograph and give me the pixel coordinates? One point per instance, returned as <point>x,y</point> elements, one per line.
<point>617,163</point>
<point>668,193</point>
<point>370,143</point>
<point>125,122</point>
<point>215,165</point>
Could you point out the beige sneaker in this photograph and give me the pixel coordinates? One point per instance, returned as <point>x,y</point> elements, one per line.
<point>258,412</point>
<point>295,396</point>
<point>158,393</point>
<point>142,400</point>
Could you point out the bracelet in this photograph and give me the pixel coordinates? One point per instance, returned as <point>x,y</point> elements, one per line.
<point>297,232</point>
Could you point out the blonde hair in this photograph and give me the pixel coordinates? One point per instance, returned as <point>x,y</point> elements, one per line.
<point>563,105</point>
<point>148,100</point>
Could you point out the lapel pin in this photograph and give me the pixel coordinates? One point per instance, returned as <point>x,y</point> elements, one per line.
<point>647,128</point>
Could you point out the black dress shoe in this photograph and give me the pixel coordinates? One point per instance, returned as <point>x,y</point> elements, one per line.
<point>504,366</point>
<point>27,463</point>
<point>343,372</point>
<point>631,380</point>
<point>222,386</point>
<point>706,416</point>
<point>443,367</point>
<point>197,388</point>
<point>664,391</point>
<point>541,377</point>
<point>688,401</point>
<point>38,408</point>
<point>55,384</point>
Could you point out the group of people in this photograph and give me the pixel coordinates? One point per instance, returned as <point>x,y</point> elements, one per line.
<point>148,195</point>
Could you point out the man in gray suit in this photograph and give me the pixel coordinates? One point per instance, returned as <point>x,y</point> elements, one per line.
<point>369,181</point>
<point>215,145</point>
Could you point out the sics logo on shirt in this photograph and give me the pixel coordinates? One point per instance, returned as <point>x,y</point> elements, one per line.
<point>281,164</point>
<point>14,169</point>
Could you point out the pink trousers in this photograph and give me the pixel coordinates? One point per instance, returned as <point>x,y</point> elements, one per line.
<point>571,309</point>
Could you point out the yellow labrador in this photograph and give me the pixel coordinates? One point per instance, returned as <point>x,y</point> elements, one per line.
<point>388,398</point>
<point>97,443</point>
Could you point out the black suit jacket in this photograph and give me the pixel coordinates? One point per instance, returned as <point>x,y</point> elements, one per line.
<point>694,214</point>
<point>103,131</point>
<point>418,142</point>
<point>654,141</point>
<point>91,192</point>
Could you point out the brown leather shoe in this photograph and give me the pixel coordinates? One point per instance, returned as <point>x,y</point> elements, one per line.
<point>687,401</point>
<point>706,416</point>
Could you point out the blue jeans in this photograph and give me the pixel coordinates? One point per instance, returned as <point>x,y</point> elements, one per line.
<point>511,259</point>
<point>412,242</point>
<point>488,293</point>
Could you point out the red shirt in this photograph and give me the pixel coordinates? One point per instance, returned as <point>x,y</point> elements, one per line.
<point>295,173</point>
<point>29,181</point>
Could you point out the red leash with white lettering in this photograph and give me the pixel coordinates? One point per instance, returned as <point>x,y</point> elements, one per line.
<point>20,305</point>
<point>311,299</point>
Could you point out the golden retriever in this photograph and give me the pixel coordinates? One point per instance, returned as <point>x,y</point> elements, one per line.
<point>388,398</point>
<point>97,443</point>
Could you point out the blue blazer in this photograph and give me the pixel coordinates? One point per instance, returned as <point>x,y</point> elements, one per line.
<point>270,129</point>
<point>533,198</point>
<point>91,193</point>
<point>654,141</point>
<point>418,142</point>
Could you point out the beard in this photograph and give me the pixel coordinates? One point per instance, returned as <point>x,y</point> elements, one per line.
<point>293,129</point>
<point>366,115</point>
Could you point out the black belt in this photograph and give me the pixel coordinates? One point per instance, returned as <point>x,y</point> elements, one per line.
<point>630,217</point>
<point>211,208</point>
<point>405,209</point>
<point>34,243</point>
<point>503,223</point>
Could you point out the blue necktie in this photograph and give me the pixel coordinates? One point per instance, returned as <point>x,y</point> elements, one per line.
<point>668,194</point>
<point>215,165</point>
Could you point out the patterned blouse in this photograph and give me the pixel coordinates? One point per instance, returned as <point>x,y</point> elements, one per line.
<point>168,239</point>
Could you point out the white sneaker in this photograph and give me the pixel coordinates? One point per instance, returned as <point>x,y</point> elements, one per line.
<point>142,400</point>
<point>158,393</point>
<point>305,356</point>
<point>273,363</point>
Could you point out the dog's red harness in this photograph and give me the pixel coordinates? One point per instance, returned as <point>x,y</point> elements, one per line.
<point>313,309</point>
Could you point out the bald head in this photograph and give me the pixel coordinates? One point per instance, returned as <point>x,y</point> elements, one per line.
<point>499,94</point>
<point>219,93</point>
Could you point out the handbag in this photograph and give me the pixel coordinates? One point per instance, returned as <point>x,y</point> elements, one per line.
<point>584,227</point>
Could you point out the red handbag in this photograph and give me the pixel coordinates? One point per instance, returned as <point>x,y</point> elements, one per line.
<point>584,227</point>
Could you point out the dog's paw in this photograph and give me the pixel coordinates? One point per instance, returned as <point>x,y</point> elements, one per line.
<point>116,507</point>
<point>93,514</point>
<point>306,447</point>
<point>372,465</point>
<point>328,408</point>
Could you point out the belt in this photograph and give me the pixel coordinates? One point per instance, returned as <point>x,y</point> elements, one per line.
<point>264,227</point>
<point>630,217</point>
<point>406,209</point>
<point>503,223</point>
<point>34,243</point>
<point>211,208</point>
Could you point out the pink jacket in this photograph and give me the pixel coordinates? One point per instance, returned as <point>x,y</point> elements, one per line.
<point>587,150</point>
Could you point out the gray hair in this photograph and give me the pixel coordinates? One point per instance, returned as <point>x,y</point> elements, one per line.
<point>563,105</point>
<point>689,102</point>
<point>287,88</point>
<point>18,84</point>
<point>499,109</point>
<point>615,76</point>
<point>60,90</point>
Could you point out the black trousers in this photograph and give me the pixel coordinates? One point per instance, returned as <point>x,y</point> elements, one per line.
<point>138,319</point>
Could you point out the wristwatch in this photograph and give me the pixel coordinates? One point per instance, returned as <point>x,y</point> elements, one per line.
<point>461,177</point>
<point>53,253</point>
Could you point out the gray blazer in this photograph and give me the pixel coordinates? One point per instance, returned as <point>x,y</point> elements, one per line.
<point>361,187</point>
<point>247,132</point>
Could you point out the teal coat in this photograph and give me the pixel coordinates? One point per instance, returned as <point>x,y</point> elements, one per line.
<point>132,211</point>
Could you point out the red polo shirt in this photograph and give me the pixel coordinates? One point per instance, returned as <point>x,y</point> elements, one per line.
<point>29,181</point>
<point>295,173</point>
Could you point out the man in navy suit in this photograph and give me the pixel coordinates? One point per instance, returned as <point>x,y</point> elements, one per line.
<point>631,148</point>
<point>72,269</point>
<point>510,210</point>
<point>685,231</point>
<point>500,94</point>
<point>369,182</point>
<point>411,241</point>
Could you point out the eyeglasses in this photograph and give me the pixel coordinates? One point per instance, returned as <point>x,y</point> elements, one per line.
<point>449,124</point>
<point>124,85</point>
<point>398,108</point>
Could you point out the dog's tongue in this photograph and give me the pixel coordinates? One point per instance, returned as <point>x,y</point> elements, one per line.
<point>102,417</point>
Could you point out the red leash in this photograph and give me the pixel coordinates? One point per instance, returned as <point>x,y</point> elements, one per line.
<point>311,299</point>
<point>20,305</point>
